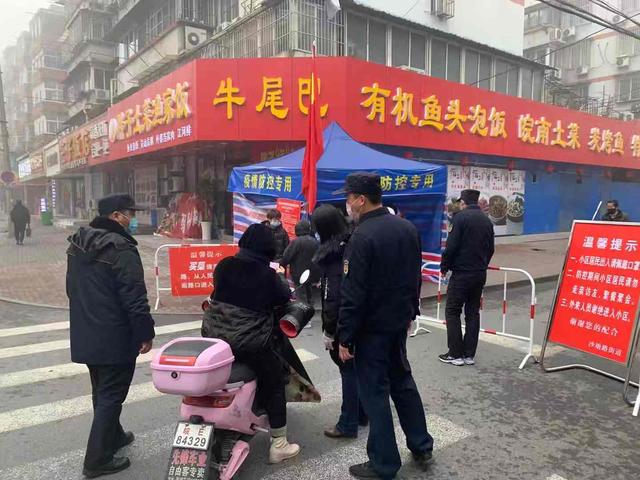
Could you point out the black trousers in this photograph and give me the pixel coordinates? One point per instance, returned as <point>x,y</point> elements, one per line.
<point>110,386</point>
<point>465,290</point>
<point>305,293</point>
<point>19,230</point>
<point>383,370</point>
<point>271,385</point>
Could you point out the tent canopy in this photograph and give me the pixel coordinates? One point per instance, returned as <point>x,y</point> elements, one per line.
<point>282,177</point>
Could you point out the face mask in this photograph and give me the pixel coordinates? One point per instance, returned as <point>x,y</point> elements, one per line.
<point>274,223</point>
<point>133,225</point>
<point>611,210</point>
<point>353,213</point>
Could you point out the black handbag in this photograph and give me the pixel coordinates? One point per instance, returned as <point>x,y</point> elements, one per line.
<point>28,231</point>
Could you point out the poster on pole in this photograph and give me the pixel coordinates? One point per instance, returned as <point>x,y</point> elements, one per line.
<point>191,267</point>
<point>596,305</point>
<point>291,211</point>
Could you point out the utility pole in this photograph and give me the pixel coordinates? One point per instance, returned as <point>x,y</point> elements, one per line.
<point>5,160</point>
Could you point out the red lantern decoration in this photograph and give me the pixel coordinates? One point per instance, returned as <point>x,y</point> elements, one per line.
<point>464,161</point>
<point>630,174</point>
<point>408,155</point>
<point>608,174</point>
<point>549,168</point>
<point>511,165</point>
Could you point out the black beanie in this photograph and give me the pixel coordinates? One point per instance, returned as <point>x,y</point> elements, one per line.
<point>259,238</point>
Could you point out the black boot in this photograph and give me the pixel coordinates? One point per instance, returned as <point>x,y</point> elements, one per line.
<point>114,466</point>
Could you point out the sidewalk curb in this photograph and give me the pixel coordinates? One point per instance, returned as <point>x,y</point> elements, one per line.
<point>517,283</point>
<point>58,307</point>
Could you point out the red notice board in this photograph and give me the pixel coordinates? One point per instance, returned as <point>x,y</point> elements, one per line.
<point>596,307</point>
<point>191,267</point>
<point>291,211</point>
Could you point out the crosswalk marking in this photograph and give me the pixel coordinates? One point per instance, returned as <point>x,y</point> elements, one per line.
<point>43,327</point>
<point>43,347</point>
<point>65,370</point>
<point>73,407</point>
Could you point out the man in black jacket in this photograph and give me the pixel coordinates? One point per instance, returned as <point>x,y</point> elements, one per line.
<point>469,249</point>
<point>380,297</point>
<point>298,257</point>
<point>110,323</point>
<point>20,217</point>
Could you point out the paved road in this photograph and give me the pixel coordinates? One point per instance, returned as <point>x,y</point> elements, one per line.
<point>490,421</point>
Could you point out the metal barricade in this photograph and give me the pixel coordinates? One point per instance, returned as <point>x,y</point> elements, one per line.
<point>157,270</point>
<point>503,331</point>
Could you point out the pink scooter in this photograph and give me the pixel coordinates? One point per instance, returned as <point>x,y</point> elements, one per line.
<point>219,414</point>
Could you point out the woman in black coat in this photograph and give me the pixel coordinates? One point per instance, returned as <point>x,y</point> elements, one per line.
<point>246,291</point>
<point>333,229</point>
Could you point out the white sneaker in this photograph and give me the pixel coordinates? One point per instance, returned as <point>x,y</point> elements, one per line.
<point>282,450</point>
<point>446,358</point>
<point>469,361</point>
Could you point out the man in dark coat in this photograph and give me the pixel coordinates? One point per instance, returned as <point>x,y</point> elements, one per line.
<point>20,217</point>
<point>469,249</point>
<point>380,297</point>
<point>613,213</point>
<point>274,222</point>
<point>298,257</point>
<point>110,323</point>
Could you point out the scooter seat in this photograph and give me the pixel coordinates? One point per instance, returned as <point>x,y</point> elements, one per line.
<point>241,372</point>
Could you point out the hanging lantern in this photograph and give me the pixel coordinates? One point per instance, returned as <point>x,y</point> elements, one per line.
<point>511,165</point>
<point>408,155</point>
<point>630,174</point>
<point>549,168</point>
<point>579,173</point>
<point>608,174</point>
<point>464,161</point>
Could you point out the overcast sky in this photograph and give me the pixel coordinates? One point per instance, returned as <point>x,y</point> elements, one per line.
<point>15,16</point>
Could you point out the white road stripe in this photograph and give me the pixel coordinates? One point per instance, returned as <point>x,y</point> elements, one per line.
<point>43,327</point>
<point>73,407</point>
<point>43,347</point>
<point>555,477</point>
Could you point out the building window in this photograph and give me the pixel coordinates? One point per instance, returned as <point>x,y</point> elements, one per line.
<point>49,124</point>
<point>454,53</point>
<point>159,21</point>
<point>506,77</point>
<point>582,4</point>
<point>512,80</point>
<point>377,42</point>
<point>628,45</point>
<point>130,45</point>
<point>579,55</point>
<point>229,10</point>
<point>540,17</point>
<point>471,63</point>
<point>418,51</point>
<point>538,83</point>
<point>438,58</point>
<point>485,72</point>
<point>629,88</point>
<point>630,5</point>
<point>399,47</point>
<point>527,83</point>
<point>101,79</point>
<point>366,39</point>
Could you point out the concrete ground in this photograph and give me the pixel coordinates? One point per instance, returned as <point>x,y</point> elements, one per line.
<point>490,421</point>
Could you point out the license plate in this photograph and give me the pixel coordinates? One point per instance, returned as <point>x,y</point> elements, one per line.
<point>193,435</point>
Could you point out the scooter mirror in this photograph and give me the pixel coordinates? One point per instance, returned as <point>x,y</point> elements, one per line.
<point>304,277</point>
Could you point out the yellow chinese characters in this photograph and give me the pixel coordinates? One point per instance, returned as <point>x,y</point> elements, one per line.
<point>432,113</point>
<point>544,132</point>
<point>377,101</point>
<point>304,91</point>
<point>454,116</point>
<point>172,104</point>
<point>479,118</point>
<point>228,94</point>
<point>605,141</point>
<point>403,108</point>
<point>399,183</point>
<point>262,181</point>
<point>272,97</point>
<point>635,146</point>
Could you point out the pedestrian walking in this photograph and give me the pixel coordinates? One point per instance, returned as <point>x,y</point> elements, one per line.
<point>21,218</point>
<point>613,213</point>
<point>470,246</point>
<point>298,257</point>
<point>331,225</point>
<point>380,298</point>
<point>274,222</point>
<point>110,323</point>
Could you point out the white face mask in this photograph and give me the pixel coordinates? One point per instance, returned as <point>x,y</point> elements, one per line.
<point>355,215</point>
<point>275,223</point>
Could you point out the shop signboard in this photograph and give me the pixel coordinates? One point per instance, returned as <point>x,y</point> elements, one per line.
<point>31,167</point>
<point>192,267</point>
<point>596,305</point>
<point>87,144</point>
<point>52,159</point>
<point>291,211</point>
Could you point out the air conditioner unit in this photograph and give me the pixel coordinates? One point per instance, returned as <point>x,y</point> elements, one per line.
<point>556,35</point>
<point>627,116</point>
<point>193,37</point>
<point>623,61</point>
<point>176,184</point>
<point>583,70</point>
<point>569,33</point>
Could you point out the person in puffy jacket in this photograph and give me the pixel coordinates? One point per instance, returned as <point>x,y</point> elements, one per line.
<point>246,291</point>
<point>110,323</point>
<point>298,257</point>
<point>333,229</point>
<point>280,235</point>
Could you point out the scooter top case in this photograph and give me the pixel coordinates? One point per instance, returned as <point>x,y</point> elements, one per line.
<point>192,366</point>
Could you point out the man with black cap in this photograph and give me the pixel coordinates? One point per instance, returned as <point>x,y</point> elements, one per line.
<point>470,246</point>
<point>111,323</point>
<point>380,297</point>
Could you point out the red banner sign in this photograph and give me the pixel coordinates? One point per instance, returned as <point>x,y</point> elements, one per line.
<point>597,301</point>
<point>191,267</point>
<point>291,211</point>
<point>267,99</point>
<point>87,144</point>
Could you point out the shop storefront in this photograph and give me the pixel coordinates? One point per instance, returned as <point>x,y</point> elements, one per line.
<point>32,188</point>
<point>538,166</point>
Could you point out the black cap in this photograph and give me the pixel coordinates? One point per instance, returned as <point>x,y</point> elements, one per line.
<point>361,183</point>
<point>118,202</point>
<point>469,196</point>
